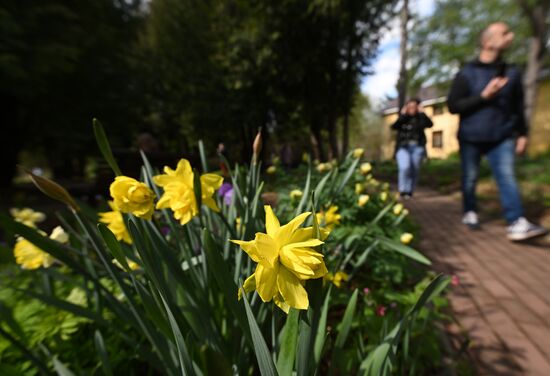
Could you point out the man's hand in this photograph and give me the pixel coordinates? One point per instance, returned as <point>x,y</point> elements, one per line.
<point>521,145</point>
<point>404,110</point>
<point>493,87</point>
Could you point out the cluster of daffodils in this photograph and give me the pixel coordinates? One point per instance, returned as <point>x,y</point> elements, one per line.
<point>135,197</point>
<point>26,254</point>
<point>286,258</point>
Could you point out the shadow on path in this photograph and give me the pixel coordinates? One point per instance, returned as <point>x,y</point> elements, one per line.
<point>502,302</point>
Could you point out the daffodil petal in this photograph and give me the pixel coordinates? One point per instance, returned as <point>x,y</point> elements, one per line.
<point>272,224</point>
<point>279,301</point>
<point>250,248</point>
<point>267,249</point>
<point>249,285</point>
<point>266,281</point>
<point>291,290</point>
<point>285,232</point>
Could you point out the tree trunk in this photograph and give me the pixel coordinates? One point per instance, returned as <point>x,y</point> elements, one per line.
<point>317,140</point>
<point>345,132</point>
<point>534,63</point>
<point>402,81</point>
<point>332,136</point>
<point>536,13</point>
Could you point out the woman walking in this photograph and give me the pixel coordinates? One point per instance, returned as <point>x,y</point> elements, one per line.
<point>410,145</point>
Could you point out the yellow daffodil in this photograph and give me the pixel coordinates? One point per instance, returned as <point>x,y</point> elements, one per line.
<point>383,196</point>
<point>405,212</point>
<point>27,216</point>
<point>397,209</point>
<point>286,259</point>
<point>31,257</point>
<point>340,277</point>
<point>132,196</point>
<point>59,235</point>
<point>359,188</point>
<point>329,218</point>
<point>296,194</point>
<point>362,200</point>
<point>179,194</point>
<point>365,168</point>
<point>271,170</point>
<point>406,238</point>
<point>238,224</point>
<point>115,222</point>
<point>322,167</point>
<point>358,153</point>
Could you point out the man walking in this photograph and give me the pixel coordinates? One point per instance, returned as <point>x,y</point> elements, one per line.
<point>488,95</point>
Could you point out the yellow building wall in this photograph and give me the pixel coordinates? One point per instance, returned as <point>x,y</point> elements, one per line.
<point>445,122</point>
<point>539,134</point>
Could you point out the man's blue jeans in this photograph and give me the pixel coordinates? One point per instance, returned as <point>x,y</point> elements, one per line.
<point>409,158</point>
<point>501,158</point>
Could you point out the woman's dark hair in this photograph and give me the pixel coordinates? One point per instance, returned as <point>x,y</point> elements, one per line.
<point>417,100</point>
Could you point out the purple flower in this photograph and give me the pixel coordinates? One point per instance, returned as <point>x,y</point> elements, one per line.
<point>366,290</point>
<point>226,191</point>
<point>165,230</point>
<point>228,197</point>
<point>224,188</point>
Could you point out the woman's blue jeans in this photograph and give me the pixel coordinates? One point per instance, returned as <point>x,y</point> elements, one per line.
<point>409,158</point>
<point>501,157</point>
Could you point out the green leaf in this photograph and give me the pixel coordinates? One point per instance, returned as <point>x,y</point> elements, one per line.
<point>6,315</point>
<point>100,347</point>
<point>347,176</point>
<point>104,147</point>
<point>225,282</point>
<point>263,355</point>
<point>26,351</point>
<point>321,335</point>
<point>382,213</point>
<point>65,306</point>
<point>113,245</point>
<point>321,184</point>
<point>346,321</point>
<point>287,353</point>
<point>61,368</point>
<point>186,364</point>
<point>202,154</point>
<point>305,194</point>
<point>405,250</point>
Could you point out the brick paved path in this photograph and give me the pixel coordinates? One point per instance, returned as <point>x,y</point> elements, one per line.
<point>503,300</point>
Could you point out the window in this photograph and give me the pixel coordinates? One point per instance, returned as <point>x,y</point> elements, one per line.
<point>439,108</point>
<point>437,139</point>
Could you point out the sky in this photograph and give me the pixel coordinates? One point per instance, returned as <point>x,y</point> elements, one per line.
<point>386,65</point>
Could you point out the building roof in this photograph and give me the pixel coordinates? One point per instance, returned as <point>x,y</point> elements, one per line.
<point>428,95</point>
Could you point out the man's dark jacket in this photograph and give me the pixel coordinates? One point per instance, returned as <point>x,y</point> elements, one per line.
<point>487,120</point>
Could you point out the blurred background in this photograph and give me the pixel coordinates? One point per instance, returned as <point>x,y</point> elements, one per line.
<point>319,77</point>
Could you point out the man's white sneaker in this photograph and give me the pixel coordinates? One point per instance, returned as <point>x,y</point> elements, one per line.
<point>470,219</point>
<point>522,229</point>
